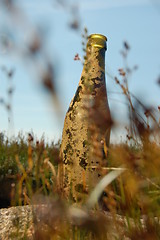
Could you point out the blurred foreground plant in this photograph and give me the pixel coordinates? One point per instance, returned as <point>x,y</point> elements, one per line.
<point>134,195</point>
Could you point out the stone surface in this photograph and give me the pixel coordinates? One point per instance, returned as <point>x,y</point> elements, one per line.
<point>16,222</point>
<point>23,222</point>
<point>19,222</point>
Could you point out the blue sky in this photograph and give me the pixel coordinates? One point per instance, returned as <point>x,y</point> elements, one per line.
<point>136,22</point>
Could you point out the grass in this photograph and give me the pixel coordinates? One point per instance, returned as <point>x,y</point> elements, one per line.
<point>134,194</point>
<point>28,165</point>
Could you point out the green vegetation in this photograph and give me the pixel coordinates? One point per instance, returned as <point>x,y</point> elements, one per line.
<point>135,195</point>
<point>28,165</point>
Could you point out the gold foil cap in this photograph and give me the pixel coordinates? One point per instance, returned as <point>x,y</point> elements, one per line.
<point>97,40</point>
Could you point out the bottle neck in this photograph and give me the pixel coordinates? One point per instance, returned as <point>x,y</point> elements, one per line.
<point>95,61</point>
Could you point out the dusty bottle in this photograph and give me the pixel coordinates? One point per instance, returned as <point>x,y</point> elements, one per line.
<point>87,125</point>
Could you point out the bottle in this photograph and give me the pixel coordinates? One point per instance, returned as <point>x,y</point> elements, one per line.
<point>87,125</point>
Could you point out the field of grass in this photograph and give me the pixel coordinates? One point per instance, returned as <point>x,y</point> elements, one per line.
<point>26,166</point>
<point>29,170</point>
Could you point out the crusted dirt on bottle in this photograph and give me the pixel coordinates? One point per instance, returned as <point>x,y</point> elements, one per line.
<point>86,129</point>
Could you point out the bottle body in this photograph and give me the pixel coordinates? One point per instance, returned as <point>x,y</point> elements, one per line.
<point>86,126</point>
